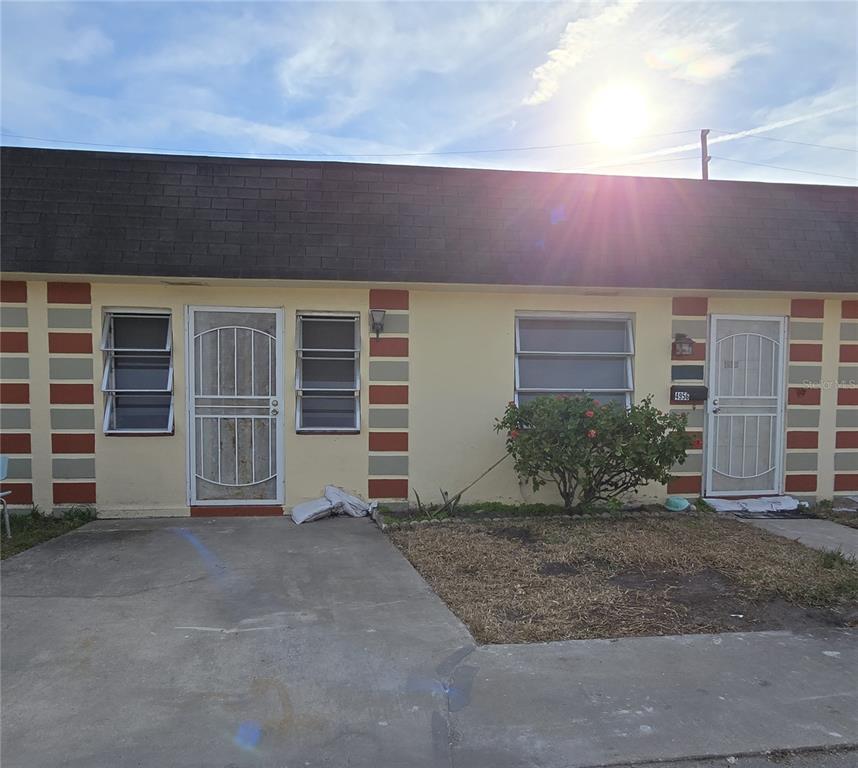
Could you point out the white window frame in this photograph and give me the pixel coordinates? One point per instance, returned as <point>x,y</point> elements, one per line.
<point>110,390</point>
<point>353,354</point>
<point>572,316</point>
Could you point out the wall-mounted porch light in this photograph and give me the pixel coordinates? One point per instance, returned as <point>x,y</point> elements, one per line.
<point>683,346</point>
<point>376,320</point>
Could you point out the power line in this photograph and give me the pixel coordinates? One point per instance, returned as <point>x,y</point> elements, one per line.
<point>790,141</point>
<point>782,168</point>
<point>330,155</point>
<point>639,162</point>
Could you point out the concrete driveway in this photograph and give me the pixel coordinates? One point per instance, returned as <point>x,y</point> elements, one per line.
<point>255,642</point>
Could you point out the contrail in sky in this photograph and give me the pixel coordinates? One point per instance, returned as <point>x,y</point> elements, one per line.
<point>727,137</point>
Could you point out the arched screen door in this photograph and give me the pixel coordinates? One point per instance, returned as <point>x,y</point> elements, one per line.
<point>745,410</point>
<point>235,406</point>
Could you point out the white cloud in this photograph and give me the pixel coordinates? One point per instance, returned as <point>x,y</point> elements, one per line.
<point>579,40</point>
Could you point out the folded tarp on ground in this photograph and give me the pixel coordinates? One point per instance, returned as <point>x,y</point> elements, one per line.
<point>335,502</point>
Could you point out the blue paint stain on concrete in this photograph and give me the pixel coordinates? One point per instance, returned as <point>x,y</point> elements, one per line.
<point>248,734</point>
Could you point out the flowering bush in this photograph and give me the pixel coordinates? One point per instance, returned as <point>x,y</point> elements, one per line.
<point>592,452</point>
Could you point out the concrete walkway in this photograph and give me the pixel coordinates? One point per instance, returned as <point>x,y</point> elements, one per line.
<point>819,534</point>
<point>255,642</point>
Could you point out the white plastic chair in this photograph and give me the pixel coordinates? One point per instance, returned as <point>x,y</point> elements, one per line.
<point>4,472</point>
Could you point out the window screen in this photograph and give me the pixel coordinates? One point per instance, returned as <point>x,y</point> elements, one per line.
<point>138,372</point>
<point>328,373</point>
<point>574,355</point>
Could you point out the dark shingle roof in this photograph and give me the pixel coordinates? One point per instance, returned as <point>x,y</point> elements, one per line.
<point>82,212</point>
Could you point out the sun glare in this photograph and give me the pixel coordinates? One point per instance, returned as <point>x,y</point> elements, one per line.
<point>618,114</point>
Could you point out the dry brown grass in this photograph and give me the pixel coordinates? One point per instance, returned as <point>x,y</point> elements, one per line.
<point>537,580</point>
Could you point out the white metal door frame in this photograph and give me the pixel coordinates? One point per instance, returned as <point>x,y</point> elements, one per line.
<point>190,389</point>
<point>711,412</point>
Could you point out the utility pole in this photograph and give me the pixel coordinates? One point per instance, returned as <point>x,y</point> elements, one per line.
<point>704,154</point>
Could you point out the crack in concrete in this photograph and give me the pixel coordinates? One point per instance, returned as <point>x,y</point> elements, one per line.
<point>110,594</point>
<point>455,699</point>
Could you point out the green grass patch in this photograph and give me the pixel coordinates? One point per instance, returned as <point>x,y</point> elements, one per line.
<point>34,528</point>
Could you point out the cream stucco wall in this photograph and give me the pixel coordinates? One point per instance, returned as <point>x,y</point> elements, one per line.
<point>147,475</point>
<point>463,376</point>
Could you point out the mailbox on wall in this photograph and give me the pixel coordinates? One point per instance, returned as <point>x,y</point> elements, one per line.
<point>688,394</point>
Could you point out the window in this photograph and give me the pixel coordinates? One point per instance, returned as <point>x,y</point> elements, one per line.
<point>575,354</point>
<point>138,372</point>
<point>327,373</point>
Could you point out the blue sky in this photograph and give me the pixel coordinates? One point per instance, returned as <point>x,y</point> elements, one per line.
<point>397,78</point>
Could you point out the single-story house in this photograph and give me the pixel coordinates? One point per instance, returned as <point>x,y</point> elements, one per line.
<point>199,335</point>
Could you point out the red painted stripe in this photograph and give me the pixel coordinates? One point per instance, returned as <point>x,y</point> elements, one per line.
<point>388,441</point>
<point>74,493</point>
<point>698,352</point>
<point>847,396</point>
<point>388,489</point>
<point>71,443</point>
<point>849,310</point>
<point>237,511</point>
<point>384,298</point>
<point>15,442</point>
<point>391,347</point>
<point>13,291</point>
<point>13,341</point>
<point>69,293</point>
<point>799,483</point>
<point>388,394</point>
<point>14,394</point>
<point>695,306</point>
<point>799,439</point>
<point>804,396</point>
<point>687,484</point>
<point>22,493</point>
<point>805,353</point>
<point>846,482</point>
<point>849,353</point>
<point>66,343</point>
<point>847,439</point>
<point>807,308</point>
<point>66,394</point>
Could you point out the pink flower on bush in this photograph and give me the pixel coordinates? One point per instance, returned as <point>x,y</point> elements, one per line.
<point>591,433</point>
<point>596,403</point>
<point>514,434</point>
<point>588,414</point>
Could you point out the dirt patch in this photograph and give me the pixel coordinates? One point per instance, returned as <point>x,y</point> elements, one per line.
<point>546,580</point>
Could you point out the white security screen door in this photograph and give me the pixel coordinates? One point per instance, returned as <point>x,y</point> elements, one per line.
<point>236,406</point>
<point>745,409</point>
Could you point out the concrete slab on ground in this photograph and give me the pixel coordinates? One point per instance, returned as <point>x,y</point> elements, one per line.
<point>819,534</point>
<point>255,642</point>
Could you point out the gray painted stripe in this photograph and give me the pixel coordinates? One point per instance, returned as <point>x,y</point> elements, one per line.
<point>693,463</point>
<point>805,417</point>
<point>395,323</point>
<point>798,462</point>
<point>847,375</point>
<point>847,418</point>
<point>70,368</point>
<point>805,374</point>
<point>72,418</point>
<point>74,469</point>
<point>849,331</point>
<point>14,418</point>
<point>15,368</point>
<point>695,417</point>
<point>686,372</point>
<point>20,469</point>
<point>388,417</point>
<point>390,370</point>
<point>13,317</point>
<point>696,329</point>
<point>799,331</point>
<point>846,461</point>
<point>69,318</point>
<point>388,466</point>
